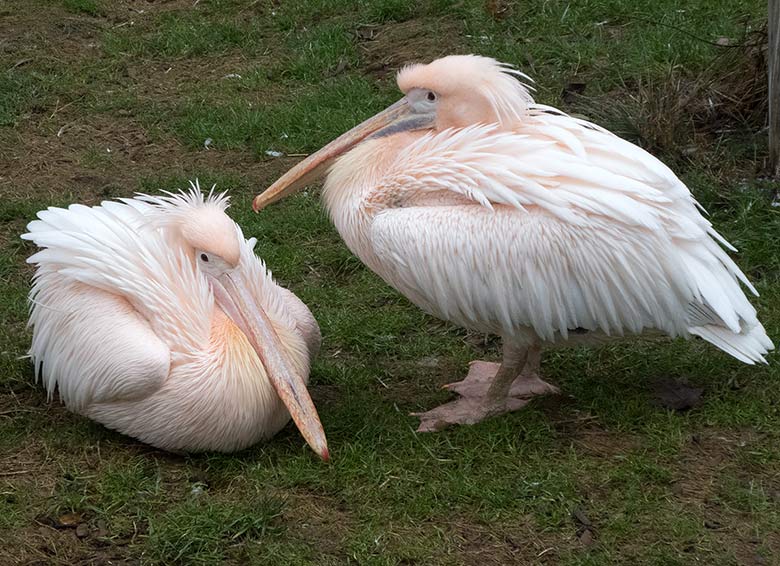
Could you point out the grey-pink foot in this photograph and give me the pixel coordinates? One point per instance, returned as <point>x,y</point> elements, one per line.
<point>481,374</point>
<point>477,381</point>
<point>526,386</point>
<point>474,405</point>
<point>465,410</point>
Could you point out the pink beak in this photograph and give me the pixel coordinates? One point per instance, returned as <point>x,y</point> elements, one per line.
<point>316,165</point>
<point>233,297</point>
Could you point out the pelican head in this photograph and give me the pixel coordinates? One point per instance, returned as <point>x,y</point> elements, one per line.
<point>213,241</point>
<point>451,92</point>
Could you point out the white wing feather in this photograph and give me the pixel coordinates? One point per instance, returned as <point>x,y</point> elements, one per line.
<point>571,227</point>
<point>114,247</point>
<point>93,344</point>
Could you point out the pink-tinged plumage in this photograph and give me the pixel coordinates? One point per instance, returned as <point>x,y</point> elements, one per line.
<point>510,217</point>
<point>126,326</point>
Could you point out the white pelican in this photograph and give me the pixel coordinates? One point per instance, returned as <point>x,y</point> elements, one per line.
<point>510,217</point>
<point>154,317</point>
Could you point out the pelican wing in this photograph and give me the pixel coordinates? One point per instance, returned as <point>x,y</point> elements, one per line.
<point>556,163</point>
<point>92,345</point>
<point>569,227</point>
<point>96,267</point>
<point>117,248</point>
<point>469,264</point>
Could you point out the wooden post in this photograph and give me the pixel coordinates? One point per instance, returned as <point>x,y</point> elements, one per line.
<point>773,63</point>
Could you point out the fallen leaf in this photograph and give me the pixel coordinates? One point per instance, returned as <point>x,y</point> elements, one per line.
<point>429,362</point>
<point>579,516</point>
<point>341,67</point>
<point>68,520</point>
<point>82,530</point>
<point>676,395</point>
<point>366,33</point>
<point>102,529</point>
<point>498,9</point>
<point>585,530</point>
<point>586,537</point>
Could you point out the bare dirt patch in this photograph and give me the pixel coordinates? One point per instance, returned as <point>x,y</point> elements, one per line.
<point>321,521</point>
<point>27,37</point>
<point>698,484</point>
<point>64,146</point>
<point>50,31</point>
<point>388,47</point>
<point>521,544</point>
<point>594,441</point>
<point>41,545</point>
<point>98,157</point>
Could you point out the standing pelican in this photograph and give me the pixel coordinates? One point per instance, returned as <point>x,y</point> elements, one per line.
<point>510,217</point>
<point>154,317</point>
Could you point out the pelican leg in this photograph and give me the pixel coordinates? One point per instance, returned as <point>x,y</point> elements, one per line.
<point>528,383</point>
<point>487,390</point>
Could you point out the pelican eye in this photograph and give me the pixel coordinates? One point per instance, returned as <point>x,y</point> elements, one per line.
<point>204,257</point>
<point>431,96</point>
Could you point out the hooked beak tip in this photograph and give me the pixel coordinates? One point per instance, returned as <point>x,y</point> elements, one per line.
<point>256,204</point>
<point>232,295</point>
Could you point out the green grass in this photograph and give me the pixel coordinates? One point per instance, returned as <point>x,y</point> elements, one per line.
<point>200,531</point>
<point>88,7</point>
<point>22,91</point>
<point>278,126</point>
<point>187,35</point>
<point>659,487</point>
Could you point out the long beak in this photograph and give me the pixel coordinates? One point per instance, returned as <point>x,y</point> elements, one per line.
<point>395,118</point>
<point>233,297</point>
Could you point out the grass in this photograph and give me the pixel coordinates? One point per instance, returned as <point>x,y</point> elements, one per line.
<point>153,83</point>
<point>198,531</point>
<point>88,7</point>
<point>187,35</point>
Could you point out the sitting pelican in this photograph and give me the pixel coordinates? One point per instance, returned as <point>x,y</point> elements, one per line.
<point>154,317</point>
<point>509,217</point>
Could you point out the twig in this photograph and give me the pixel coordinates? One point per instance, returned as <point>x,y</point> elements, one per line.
<point>65,127</point>
<point>19,64</point>
<point>63,107</point>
